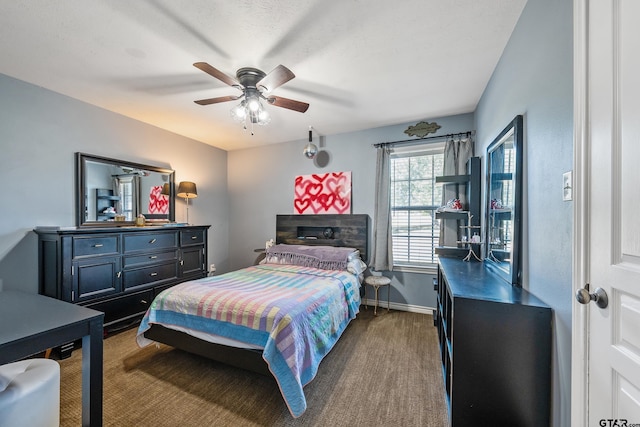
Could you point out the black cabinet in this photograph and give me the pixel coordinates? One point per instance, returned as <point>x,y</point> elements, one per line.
<point>118,270</point>
<point>192,257</point>
<point>95,277</point>
<point>495,347</point>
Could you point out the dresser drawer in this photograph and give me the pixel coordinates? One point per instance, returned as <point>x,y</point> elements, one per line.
<point>120,308</point>
<point>192,237</point>
<point>92,245</point>
<point>148,275</point>
<point>150,241</point>
<point>155,257</point>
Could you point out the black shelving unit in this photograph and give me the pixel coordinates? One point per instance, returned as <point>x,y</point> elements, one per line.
<point>495,348</point>
<point>105,199</point>
<point>470,185</point>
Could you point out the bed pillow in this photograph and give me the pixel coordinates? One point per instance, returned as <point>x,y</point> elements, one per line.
<point>324,257</point>
<point>5,380</point>
<point>356,266</point>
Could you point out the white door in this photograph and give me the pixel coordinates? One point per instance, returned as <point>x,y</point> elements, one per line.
<point>611,203</point>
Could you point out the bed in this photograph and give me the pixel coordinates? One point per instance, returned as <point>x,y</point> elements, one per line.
<point>281,317</point>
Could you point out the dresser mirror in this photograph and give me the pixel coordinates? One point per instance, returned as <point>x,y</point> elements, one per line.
<point>504,203</point>
<point>114,192</point>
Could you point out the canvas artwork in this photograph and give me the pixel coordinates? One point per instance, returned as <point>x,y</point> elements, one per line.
<point>158,202</point>
<point>328,193</point>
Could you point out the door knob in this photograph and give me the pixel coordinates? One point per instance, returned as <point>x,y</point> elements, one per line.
<point>599,296</point>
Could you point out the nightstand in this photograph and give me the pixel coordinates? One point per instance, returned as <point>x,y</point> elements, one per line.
<point>376,282</point>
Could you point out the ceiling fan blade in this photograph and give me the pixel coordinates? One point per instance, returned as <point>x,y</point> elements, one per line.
<point>276,78</point>
<point>291,104</point>
<point>217,100</point>
<point>214,72</point>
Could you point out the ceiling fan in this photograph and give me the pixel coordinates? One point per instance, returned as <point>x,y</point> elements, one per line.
<point>255,85</point>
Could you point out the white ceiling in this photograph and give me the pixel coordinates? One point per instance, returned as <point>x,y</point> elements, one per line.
<point>359,63</point>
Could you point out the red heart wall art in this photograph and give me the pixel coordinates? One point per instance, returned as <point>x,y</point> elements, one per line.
<point>158,202</point>
<point>328,193</point>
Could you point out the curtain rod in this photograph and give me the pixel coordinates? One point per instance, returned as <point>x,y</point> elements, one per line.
<point>420,140</point>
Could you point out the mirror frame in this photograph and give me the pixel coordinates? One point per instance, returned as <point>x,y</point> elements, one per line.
<point>512,274</point>
<point>81,195</point>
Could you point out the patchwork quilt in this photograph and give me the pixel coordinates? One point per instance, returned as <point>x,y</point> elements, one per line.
<point>295,313</point>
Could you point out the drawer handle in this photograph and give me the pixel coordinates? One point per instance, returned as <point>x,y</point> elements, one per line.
<point>119,274</point>
<point>153,274</point>
<point>98,245</point>
<point>153,257</point>
<point>194,237</point>
<point>152,241</point>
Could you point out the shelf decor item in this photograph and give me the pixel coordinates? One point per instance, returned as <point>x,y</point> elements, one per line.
<point>140,220</point>
<point>472,241</point>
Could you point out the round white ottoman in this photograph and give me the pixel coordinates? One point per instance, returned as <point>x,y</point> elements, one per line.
<point>376,282</point>
<point>30,393</point>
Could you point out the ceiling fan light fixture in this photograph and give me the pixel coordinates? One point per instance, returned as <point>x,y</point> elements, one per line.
<point>254,84</point>
<point>263,116</point>
<point>239,112</point>
<point>253,103</point>
<point>251,112</point>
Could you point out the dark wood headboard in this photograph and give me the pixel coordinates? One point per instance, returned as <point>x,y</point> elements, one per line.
<point>329,230</point>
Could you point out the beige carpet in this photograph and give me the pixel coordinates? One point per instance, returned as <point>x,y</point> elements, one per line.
<point>385,370</point>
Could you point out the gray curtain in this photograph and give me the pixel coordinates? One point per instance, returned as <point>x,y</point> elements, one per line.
<point>456,154</point>
<point>116,192</point>
<point>382,257</point>
<point>135,196</point>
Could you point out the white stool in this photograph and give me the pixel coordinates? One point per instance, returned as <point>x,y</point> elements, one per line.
<point>30,393</point>
<point>376,282</point>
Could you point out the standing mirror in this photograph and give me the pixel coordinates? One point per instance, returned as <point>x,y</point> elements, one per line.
<point>114,192</point>
<point>504,203</point>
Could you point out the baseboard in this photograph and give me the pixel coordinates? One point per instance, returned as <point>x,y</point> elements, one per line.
<point>400,307</point>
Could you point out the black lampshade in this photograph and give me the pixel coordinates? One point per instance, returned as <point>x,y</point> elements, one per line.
<point>187,190</point>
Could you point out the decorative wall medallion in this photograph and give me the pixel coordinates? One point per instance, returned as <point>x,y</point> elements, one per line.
<point>422,129</point>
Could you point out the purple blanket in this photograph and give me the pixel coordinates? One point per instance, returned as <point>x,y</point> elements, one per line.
<point>323,257</point>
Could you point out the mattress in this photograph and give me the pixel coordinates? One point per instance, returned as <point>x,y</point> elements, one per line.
<point>295,314</point>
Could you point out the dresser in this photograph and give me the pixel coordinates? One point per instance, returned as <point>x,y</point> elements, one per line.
<point>118,270</point>
<point>495,347</point>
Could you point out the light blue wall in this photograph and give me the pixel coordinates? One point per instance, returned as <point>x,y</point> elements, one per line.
<point>261,186</point>
<point>39,133</point>
<point>240,192</point>
<point>535,78</point>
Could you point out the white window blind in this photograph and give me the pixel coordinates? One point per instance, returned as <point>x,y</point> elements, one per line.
<point>415,197</point>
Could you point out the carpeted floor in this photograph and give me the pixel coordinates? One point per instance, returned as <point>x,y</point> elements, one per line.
<point>385,370</point>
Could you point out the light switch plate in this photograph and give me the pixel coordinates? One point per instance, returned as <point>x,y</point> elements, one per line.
<point>567,186</point>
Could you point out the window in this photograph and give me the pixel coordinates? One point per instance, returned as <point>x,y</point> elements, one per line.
<point>126,197</point>
<point>415,197</point>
